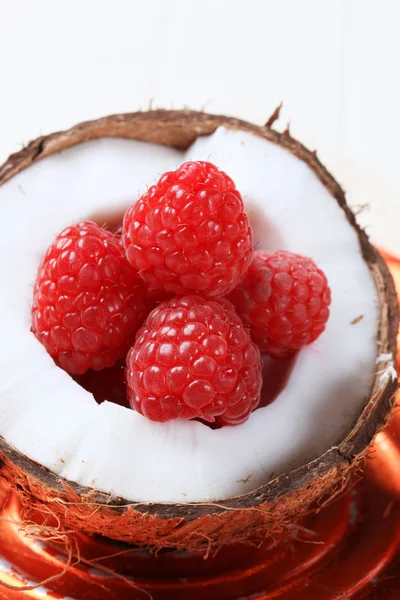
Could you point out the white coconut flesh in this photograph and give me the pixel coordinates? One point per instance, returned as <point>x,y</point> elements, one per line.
<point>55,422</point>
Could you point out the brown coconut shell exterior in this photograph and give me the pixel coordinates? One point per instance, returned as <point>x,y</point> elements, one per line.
<point>193,526</point>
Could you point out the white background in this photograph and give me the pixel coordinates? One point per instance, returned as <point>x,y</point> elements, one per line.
<point>335,64</point>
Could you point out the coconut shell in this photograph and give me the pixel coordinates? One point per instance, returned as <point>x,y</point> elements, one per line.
<point>264,511</point>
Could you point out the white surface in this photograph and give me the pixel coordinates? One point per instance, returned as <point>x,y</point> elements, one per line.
<point>334,64</point>
<point>49,417</point>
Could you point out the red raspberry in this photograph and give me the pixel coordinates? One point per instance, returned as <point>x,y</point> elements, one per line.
<point>88,301</point>
<point>194,358</point>
<point>190,232</point>
<point>284,300</point>
<point>118,236</point>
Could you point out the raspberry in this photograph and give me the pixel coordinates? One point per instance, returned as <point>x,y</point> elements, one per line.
<point>88,301</point>
<point>118,236</point>
<point>190,232</point>
<point>284,300</point>
<point>193,358</point>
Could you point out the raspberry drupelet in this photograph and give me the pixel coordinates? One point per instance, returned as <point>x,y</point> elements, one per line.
<point>284,300</point>
<point>193,358</point>
<point>190,232</point>
<point>88,300</point>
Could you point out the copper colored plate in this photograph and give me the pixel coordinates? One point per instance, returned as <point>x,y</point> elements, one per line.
<point>342,549</point>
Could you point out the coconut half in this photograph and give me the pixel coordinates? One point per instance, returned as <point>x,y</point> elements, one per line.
<point>105,469</point>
